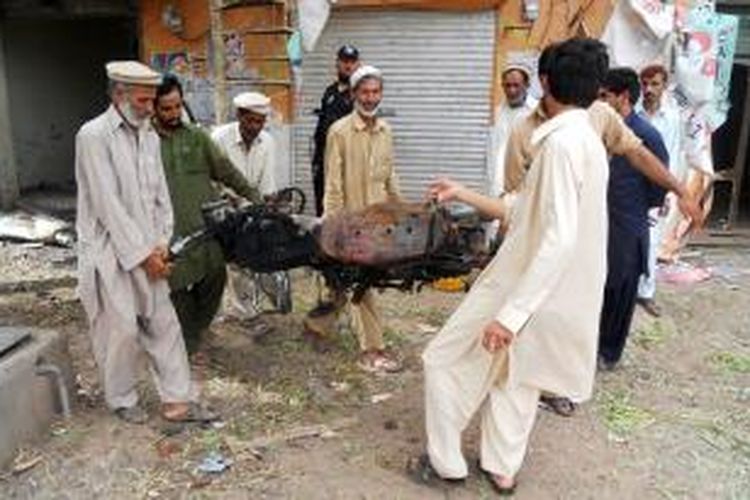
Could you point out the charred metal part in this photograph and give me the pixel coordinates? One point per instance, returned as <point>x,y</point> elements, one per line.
<point>388,245</point>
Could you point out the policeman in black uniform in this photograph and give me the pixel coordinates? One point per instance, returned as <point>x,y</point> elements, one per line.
<point>336,103</point>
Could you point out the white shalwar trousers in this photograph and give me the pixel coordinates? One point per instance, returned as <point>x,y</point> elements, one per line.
<point>117,343</point>
<point>508,415</point>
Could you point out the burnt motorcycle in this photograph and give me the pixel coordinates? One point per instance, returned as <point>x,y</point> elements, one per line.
<point>387,245</point>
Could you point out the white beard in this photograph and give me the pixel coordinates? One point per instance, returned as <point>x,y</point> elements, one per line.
<point>130,117</point>
<point>367,114</point>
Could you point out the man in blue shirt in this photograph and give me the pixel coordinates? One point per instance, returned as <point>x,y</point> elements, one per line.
<point>629,197</point>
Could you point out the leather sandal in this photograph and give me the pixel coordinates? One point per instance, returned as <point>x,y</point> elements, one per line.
<point>195,413</point>
<point>558,404</point>
<point>132,414</point>
<point>504,491</point>
<point>421,471</point>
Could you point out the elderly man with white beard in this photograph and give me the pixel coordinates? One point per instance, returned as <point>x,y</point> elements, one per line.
<point>359,172</point>
<point>124,223</point>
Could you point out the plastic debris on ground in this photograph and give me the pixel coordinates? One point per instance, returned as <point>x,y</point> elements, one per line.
<point>39,228</point>
<point>379,398</point>
<point>682,273</point>
<point>214,463</point>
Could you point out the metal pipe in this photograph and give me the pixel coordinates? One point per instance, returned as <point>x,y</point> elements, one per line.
<point>46,368</point>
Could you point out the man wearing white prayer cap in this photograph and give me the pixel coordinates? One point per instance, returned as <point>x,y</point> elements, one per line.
<point>124,223</point>
<point>252,151</point>
<point>359,171</point>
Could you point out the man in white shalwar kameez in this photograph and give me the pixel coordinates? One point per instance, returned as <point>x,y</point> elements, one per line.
<point>530,322</point>
<point>518,104</point>
<point>124,223</point>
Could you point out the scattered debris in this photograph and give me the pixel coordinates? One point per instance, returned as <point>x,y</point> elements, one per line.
<point>37,285</point>
<point>450,284</point>
<point>23,226</point>
<point>379,398</point>
<point>341,386</point>
<point>267,397</point>
<point>165,448</point>
<point>225,388</point>
<point>390,425</point>
<point>214,463</point>
<point>682,273</point>
<point>426,329</point>
<point>24,461</point>
<point>200,481</point>
<point>59,430</point>
<point>304,432</point>
<point>732,275</point>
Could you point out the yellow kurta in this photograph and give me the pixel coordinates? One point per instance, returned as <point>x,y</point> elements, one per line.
<point>617,137</point>
<point>358,172</point>
<point>359,165</point>
<point>545,284</point>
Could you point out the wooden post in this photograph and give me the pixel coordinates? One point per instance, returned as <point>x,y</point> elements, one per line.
<point>9,191</point>
<point>739,162</point>
<point>219,62</point>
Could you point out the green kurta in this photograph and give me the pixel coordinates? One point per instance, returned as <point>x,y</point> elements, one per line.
<point>191,161</point>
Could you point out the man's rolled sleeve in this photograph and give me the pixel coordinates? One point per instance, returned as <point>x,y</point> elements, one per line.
<point>512,318</point>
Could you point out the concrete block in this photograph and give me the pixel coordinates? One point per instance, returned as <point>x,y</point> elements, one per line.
<point>30,401</point>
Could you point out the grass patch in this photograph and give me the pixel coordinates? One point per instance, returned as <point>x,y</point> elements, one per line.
<point>434,316</point>
<point>730,362</point>
<point>394,339</point>
<point>620,416</point>
<point>652,334</point>
<point>210,440</point>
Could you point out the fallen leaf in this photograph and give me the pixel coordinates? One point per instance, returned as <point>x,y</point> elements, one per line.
<point>22,465</point>
<point>199,482</point>
<point>166,448</point>
<point>379,398</point>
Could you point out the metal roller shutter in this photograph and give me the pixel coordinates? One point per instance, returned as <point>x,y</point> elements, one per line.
<point>437,68</point>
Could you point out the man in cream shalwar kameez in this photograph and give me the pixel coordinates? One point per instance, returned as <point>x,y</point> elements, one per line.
<point>544,286</point>
<point>124,223</point>
<point>359,172</point>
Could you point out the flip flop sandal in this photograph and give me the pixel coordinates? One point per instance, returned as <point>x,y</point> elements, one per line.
<point>195,413</point>
<point>132,415</point>
<point>422,472</point>
<point>560,405</point>
<point>502,491</point>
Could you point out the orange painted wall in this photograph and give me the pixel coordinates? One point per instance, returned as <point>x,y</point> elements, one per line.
<point>423,4</point>
<point>513,33</point>
<point>155,38</point>
<point>195,40</point>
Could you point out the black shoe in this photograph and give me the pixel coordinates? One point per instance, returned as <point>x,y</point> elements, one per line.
<point>132,414</point>
<point>558,404</point>
<point>605,366</point>
<point>503,491</point>
<point>421,471</point>
<point>650,306</point>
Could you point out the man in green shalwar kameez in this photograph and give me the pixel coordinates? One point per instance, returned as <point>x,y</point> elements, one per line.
<point>192,163</point>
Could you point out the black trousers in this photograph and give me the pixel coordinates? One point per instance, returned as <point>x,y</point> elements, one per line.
<point>616,318</point>
<point>319,187</point>
<point>197,305</point>
<point>625,263</point>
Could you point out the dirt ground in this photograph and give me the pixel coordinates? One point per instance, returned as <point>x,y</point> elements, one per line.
<point>672,422</point>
